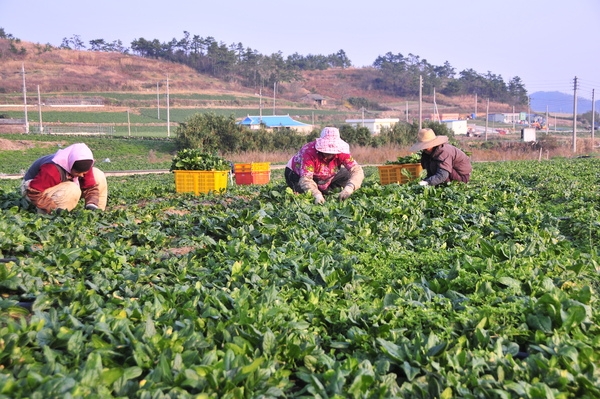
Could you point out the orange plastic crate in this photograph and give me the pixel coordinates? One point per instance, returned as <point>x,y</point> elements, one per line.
<point>200,181</point>
<point>393,173</point>
<point>252,167</point>
<point>252,177</point>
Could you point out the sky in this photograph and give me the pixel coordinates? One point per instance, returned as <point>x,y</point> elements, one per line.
<point>546,43</point>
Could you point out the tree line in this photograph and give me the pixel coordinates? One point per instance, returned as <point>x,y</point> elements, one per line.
<point>218,133</point>
<point>394,74</point>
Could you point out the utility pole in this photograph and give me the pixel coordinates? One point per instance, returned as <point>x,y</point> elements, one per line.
<point>487,117</point>
<point>25,99</point>
<point>363,116</point>
<point>274,90</point>
<point>546,120</point>
<point>40,109</point>
<point>420,102</point>
<point>513,118</point>
<point>593,118</point>
<point>157,102</point>
<point>260,105</point>
<point>436,118</point>
<point>575,115</point>
<point>128,123</point>
<point>168,110</point>
<point>407,112</point>
<point>475,106</point>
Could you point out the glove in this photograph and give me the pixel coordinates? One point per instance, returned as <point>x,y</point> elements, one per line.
<point>91,207</point>
<point>319,199</point>
<point>423,183</point>
<point>346,192</point>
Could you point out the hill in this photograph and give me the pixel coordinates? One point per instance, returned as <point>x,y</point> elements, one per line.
<point>64,71</point>
<point>562,103</point>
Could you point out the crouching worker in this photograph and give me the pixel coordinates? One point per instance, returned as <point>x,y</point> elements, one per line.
<point>58,181</point>
<point>442,161</point>
<point>317,167</point>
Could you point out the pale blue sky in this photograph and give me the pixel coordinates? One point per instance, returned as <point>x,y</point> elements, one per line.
<point>544,42</point>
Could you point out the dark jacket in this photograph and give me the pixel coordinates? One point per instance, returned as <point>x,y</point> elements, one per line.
<point>449,158</point>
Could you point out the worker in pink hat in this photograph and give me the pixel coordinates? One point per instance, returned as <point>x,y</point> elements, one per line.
<point>58,181</point>
<point>323,165</point>
<point>442,161</point>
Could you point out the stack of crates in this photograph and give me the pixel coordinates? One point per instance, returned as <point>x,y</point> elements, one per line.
<point>200,181</point>
<point>252,173</point>
<point>394,173</point>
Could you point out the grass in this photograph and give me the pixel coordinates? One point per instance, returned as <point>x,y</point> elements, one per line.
<point>148,116</point>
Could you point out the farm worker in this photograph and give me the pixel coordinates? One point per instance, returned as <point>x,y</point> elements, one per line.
<point>442,161</point>
<point>58,181</point>
<point>317,167</point>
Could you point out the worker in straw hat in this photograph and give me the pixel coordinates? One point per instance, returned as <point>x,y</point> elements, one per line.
<point>442,161</point>
<point>317,167</point>
<point>57,182</point>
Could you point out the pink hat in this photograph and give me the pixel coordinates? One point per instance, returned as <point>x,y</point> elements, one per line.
<point>331,143</point>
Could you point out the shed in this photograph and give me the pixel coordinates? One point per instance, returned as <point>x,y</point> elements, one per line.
<point>528,134</point>
<point>275,122</point>
<point>444,117</point>
<point>459,127</point>
<point>317,99</point>
<point>495,118</point>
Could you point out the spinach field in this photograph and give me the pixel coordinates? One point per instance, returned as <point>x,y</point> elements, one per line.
<point>485,290</point>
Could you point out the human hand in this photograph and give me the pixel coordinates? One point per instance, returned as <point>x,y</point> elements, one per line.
<point>319,199</point>
<point>346,192</point>
<point>91,207</point>
<point>423,183</point>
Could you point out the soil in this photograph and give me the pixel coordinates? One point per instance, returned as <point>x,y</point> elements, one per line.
<point>18,145</point>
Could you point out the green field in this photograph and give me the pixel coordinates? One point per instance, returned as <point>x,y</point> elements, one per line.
<point>111,153</point>
<point>148,117</point>
<point>485,290</point>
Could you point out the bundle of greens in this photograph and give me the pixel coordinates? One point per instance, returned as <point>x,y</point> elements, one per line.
<point>412,158</point>
<point>196,159</point>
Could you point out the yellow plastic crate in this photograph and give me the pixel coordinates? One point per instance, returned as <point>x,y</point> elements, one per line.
<point>393,173</point>
<point>252,167</point>
<point>200,181</point>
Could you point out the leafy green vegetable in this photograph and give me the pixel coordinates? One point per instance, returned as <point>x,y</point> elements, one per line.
<point>412,158</point>
<point>487,289</point>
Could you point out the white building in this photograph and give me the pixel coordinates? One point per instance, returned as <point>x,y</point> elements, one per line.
<point>275,122</point>
<point>374,125</point>
<point>458,126</point>
<point>528,134</point>
<point>506,117</point>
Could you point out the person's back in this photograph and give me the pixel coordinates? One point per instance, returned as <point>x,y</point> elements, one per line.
<point>57,181</point>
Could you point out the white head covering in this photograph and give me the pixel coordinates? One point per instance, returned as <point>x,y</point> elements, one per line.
<point>66,157</point>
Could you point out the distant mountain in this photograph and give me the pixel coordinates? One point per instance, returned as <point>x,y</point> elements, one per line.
<point>555,101</point>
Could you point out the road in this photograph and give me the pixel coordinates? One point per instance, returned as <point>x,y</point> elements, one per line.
<point>122,172</point>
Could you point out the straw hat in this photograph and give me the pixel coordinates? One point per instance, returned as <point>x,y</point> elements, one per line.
<point>331,143</point>
<point>427,139</point>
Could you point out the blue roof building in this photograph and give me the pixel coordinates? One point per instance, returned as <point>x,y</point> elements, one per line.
<point>274,122</point>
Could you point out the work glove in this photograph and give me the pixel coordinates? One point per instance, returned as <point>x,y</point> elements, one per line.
<point>423,183</point>
<point>91,207</point>
<point>346,192</point>
<point>319,199</point>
